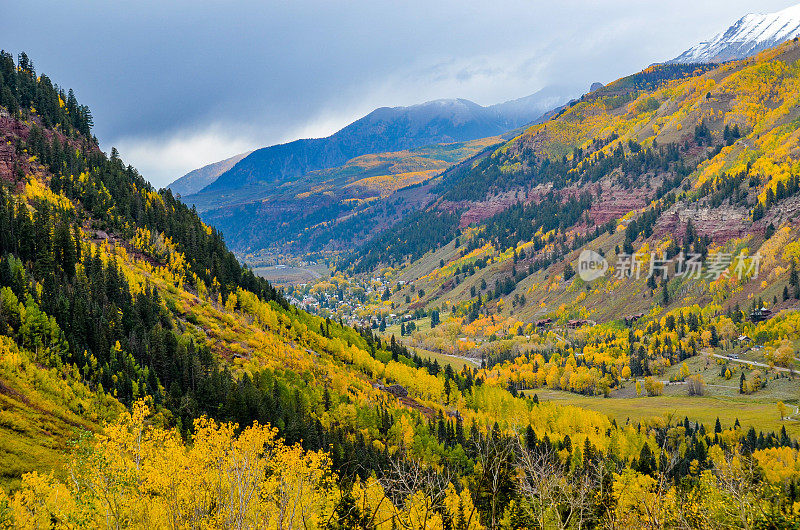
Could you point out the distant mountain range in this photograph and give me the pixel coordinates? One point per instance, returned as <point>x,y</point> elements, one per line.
<point>751,34</point>
<point>196,180</point>
<point>384,129</point>
<point>303,192</point>
<point>447,120</point>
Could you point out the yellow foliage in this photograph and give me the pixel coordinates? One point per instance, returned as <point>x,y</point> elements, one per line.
<point>144,476</point>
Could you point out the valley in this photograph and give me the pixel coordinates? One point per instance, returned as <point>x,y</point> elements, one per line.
<point>290,275</point>
<point>508,308</point>
<point>544,313</point>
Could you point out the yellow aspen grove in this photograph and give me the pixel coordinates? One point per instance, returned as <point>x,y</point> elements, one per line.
<point>142,476</point>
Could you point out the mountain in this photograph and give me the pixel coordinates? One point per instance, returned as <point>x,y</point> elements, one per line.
<point>387,129</point>
<point>751,34</point>
<point>149,380</point>
<point>471,193</point>
<point>677,158</point>
<point>334,209</point>
<point>571,242</point>
<point>198,179</point>
<point>317,194</point>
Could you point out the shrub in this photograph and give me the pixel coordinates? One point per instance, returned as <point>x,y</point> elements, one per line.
<point>696,385</point>
<point>653,387</point>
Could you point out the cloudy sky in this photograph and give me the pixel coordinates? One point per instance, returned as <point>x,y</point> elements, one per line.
<point>177,84</point>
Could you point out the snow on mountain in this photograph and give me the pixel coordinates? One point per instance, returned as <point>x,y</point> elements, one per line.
<point>749,35</point>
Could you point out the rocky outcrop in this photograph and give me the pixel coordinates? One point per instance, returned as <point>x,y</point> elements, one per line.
<point>615,202</point>
<point>720,224</point>
<point>13,131</point>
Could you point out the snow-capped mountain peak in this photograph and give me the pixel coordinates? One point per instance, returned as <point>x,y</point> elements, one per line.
<point>751,34</point>
<point>790,12</point>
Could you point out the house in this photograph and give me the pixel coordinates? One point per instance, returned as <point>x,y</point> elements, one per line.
<point>544,322</point>
<point>759,315</point>
<point>575,324</point>
<point>633,318</point>
<point>744,339</point>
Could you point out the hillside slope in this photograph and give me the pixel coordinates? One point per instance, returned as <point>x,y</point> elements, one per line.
<point>629,144</point>
<point>533,163</point>
<point>641,176</point>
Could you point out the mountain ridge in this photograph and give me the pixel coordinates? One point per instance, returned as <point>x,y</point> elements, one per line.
<point>199,178</point>
<point>387,129</point>
<point>749,35</point>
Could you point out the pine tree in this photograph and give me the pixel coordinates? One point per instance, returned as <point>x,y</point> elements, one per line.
<point>646,463</point>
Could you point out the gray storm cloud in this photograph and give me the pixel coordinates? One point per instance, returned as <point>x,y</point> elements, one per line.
<point>175,85</point>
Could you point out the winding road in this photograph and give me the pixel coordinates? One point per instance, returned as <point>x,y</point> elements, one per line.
<point>752,363</point>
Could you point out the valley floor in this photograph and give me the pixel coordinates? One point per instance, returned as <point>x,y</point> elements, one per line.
<point>288,274</point>
<point>705,409</point>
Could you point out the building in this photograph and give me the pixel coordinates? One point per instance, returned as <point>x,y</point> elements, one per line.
<point>759,315</point>
<point>575,324</point>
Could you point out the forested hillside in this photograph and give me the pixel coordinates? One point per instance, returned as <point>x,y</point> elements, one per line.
<point>332,210</point>
<point>674,162</point>
<point>165,385</point>
<point>559,155</point>
<point>332,194</point>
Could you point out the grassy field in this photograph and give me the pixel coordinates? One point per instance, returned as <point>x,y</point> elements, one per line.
<point>457,363</point>
<point>721,400</point>
<point>423,323</point>
<point>706,409</point>
<point>780,386</point>
<point>36,433</point>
